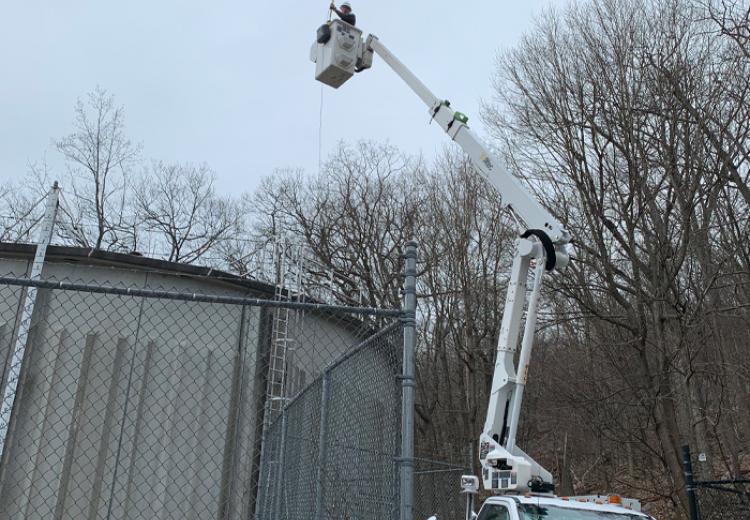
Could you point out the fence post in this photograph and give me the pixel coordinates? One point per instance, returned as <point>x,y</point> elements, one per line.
<point>687,466</point>
<point>279,484</point>
<point>322,446</point>
<point>8,395</point>
<point>408,383</point>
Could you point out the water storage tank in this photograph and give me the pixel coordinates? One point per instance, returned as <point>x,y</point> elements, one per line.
<point>335,57</point>
<point>140,408</point>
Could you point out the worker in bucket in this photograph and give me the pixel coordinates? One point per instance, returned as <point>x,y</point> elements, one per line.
<point>345,13</point>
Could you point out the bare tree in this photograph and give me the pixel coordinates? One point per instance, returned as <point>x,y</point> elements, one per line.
<point>355,217</point>
<point>613,112</point>
<point>22,205</point>
<point>178,208</point>
<point>733,20</point>
<point>99,158</point>
<point>21,209</point>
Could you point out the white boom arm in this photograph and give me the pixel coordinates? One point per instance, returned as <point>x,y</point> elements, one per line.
<point>504,466</point>
<point>526,207</point>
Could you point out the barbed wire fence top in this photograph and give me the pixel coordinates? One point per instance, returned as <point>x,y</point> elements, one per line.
<point>137,401</point>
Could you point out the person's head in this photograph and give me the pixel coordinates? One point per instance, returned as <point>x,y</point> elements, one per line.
<point>346,8</point>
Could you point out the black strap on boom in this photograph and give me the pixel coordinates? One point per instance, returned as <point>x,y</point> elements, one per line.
<point>549,247</point>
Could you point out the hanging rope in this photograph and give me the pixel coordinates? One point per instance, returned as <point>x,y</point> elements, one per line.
<point>320,111</point>
<point>320,131</point>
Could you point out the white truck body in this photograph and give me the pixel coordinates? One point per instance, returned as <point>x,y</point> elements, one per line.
<point>554,508</point>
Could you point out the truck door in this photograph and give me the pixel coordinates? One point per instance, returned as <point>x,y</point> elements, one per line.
<point>494,512</point>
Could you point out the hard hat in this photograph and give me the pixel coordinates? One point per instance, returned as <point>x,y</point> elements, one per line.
<point>346,4</point>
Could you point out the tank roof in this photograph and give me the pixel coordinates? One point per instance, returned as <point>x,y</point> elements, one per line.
<point>88,256</point>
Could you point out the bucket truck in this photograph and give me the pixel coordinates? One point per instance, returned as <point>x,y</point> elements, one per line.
<point>341,51</point>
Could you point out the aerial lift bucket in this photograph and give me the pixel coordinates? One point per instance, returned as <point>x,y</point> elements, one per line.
<point>336,53</point>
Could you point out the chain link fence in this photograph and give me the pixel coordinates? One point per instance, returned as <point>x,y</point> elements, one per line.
<point>436,488</point>
<point>712,499</point>
<point>142,393</point>
<point>205,400</point>
<point>724,500</point>
<point>332,452</point>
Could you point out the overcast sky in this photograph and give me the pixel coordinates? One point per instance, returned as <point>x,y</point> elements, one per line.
<point>230,83</point>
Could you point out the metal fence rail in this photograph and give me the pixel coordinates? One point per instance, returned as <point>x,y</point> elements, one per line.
<point>143,403</point>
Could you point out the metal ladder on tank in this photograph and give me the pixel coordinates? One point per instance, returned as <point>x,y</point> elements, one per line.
<point>289,282</point>
<point>288,286</point>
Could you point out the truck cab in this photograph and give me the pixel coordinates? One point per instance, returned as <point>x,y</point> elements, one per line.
<point>533,507</point>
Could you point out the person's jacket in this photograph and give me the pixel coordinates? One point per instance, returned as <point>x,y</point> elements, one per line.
<point>348,18</point>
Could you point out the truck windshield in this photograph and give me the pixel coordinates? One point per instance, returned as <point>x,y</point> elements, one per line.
<point>544,512</point>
